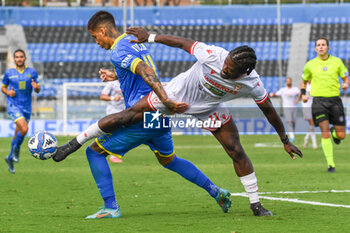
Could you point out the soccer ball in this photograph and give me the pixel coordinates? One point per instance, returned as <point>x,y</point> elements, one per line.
<point>43,145</point>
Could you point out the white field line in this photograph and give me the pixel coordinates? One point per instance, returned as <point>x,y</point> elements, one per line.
<point>295,200</point>
<point>269,145</point>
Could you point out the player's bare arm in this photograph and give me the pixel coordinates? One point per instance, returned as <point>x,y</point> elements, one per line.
<point>10,92</point>
<point>152,80</point>
<point>345,85</point>
<point>274,119</point>
<point>172,41</point>
<point>304,97</point>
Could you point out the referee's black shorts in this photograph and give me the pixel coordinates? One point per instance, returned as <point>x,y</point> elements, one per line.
<point>328,108</point>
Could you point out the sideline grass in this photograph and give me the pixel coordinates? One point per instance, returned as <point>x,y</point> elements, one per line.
<point>44,196</point>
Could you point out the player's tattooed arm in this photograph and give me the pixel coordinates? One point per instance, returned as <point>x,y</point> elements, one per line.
<point>274,119</point>
<point>152,80</point>
<point>169,40</point>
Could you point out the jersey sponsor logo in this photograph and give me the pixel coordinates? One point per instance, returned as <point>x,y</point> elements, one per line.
<point>209,51</point>
<point>325,68</point>
<point>126,61</point>
<point>217,88</point>
<point>214,90</point>
<point>13,76</point>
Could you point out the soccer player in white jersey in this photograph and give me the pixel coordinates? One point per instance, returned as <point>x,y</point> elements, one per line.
<point>307,114</point>
<point>216,77</point>
<point>289,95</point>
<point>113,94</point>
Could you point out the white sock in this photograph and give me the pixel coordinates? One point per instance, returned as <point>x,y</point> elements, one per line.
<point>93,131</point>
<point>307,136</point>
<point>312,134</point>
<point>250,184</point>
<point>291,135</point>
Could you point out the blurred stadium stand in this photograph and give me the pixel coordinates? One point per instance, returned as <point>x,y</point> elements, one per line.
<point>61,42</point>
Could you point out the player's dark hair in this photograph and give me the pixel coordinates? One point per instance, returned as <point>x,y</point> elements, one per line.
<point>19,50</point>
<point>244,57</point>
<point>101,17</point>
<point>322,38</point>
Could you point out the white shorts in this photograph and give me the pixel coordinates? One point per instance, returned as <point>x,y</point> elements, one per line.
<point>217,113</point>
<point>307,113</point>
<point>290,114</point>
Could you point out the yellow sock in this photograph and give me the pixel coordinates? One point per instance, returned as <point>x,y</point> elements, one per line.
<point>327,148</point>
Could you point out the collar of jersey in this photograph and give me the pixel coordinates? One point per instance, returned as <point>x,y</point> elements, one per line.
<point>25,67</point>
<point>329,57</point>
<point>117,40</point>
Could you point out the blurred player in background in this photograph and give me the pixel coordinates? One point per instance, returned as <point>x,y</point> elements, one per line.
<point>137,75</point>
<point>216,77</point>
<point>307,114</point>
<point>18,84</point>
<point>113,94</point>
<point>289,96</point>
<point>327,107</point>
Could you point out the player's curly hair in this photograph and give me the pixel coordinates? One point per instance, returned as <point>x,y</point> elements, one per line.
<point>101,17</point>
<point>19,50</point>
<point>244,57</point>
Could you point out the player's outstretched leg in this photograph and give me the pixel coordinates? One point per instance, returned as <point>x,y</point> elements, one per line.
<point>223,199</point>
<point>9,162</point>
<point>259,210</point>
<point>190,172</point>
<point>105,213</point>
<point>65,150</point>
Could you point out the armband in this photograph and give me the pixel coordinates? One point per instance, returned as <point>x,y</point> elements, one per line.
<point>285,141</point>
<point>303,91</point>
<point>151,38</point>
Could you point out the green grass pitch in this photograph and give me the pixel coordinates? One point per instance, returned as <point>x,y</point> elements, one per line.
<point>44,196</point>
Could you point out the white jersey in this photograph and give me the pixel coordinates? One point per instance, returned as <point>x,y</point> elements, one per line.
<point>202,86</point>
<point>113,89</point>
<point>309,102</point>
<point>289,96</point>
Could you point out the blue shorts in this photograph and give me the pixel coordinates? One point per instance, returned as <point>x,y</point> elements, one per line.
<point>15,113</point>
<point>126,138</point>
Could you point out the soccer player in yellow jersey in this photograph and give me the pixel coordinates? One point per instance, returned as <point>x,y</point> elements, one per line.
<point>327,108</point>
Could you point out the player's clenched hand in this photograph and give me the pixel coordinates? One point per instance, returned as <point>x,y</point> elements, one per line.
<point>291,150</point>
<point>139,32</point>
<point>107,75</point>
<point>305,98</point>
<point>11,92</point>
<point>344,86</point>
<point>34,84</point>
<point>175,107</point>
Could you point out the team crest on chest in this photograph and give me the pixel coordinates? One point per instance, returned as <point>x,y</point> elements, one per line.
<point>325,68</point>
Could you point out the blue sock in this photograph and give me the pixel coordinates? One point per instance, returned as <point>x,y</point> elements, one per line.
<point>19,140</point>
<point>103,177</point>
<point>190,172</point>
<point>11,151</point>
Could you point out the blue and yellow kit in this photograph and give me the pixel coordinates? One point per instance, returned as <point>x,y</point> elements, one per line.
<point>21,104</point>
<point>125,57</point>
